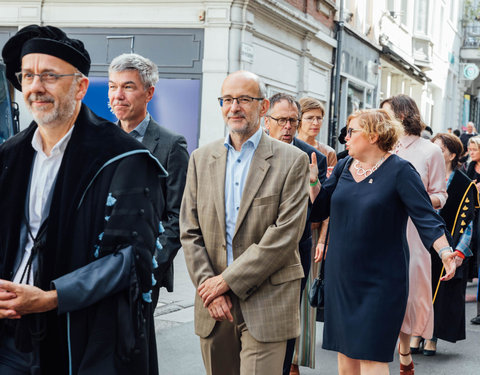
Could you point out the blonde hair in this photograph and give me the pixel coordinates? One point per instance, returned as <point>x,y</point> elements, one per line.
<point>475,140</point>
<point>379,122</point>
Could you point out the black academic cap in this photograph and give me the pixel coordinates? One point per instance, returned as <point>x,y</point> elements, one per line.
<point>49,40</point>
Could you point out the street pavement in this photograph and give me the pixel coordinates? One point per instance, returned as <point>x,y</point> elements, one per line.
<point>179,349</point>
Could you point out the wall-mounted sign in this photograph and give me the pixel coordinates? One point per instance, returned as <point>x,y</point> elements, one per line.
<point>246,53</point>
<point>470,72</point>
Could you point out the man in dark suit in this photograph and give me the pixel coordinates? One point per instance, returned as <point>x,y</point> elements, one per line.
<point>281,122</point>
<point>131,86</point>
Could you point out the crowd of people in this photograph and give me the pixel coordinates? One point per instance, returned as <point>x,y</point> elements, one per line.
<point>93,214</point>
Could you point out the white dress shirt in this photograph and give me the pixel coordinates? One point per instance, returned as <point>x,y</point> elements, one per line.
<point>45,170</point>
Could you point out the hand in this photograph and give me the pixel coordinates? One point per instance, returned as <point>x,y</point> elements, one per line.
<point>22,299</point>
<point>212,288</point>
<point>313,168</point>
<point>448,260</point>
<point>220,307</point>
<point>458,261</point>
<point>319,252</point>
<point>7,313</point>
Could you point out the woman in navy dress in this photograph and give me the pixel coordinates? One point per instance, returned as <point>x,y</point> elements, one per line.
<point>369,197</point>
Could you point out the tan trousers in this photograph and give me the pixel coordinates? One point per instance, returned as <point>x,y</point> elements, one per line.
<point>231,350</point>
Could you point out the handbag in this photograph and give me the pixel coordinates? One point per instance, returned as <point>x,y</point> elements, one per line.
<point>316,294</point>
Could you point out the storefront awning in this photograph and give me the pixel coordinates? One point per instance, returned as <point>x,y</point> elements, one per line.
<point>404,65</point>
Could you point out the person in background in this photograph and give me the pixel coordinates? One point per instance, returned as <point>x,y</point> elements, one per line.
<point>427,133</point>
<point>281,122</point>
<point>341,140</point>
<point>449,130</point>
<point>449,297</point>
<point>131,86</point>
<point>473,171</point>
<point>310,124</point>
<point>369,198</point>
<point>456,132</point>
<point>469,133</point>
<point>428,160</point>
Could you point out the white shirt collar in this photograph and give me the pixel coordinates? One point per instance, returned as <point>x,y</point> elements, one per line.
<point>59,147</point>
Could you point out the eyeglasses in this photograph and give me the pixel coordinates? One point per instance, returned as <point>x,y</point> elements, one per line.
<point>351,130</point>
<point>227,101</point>
<point>312,118</point>
<point>283,121</point>
<point>45,77</point>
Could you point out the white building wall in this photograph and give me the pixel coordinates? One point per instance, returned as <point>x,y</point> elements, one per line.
<point>291,51</point>
<point>439,50</point>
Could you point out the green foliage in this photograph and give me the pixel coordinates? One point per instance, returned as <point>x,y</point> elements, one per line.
<point>471,11</point>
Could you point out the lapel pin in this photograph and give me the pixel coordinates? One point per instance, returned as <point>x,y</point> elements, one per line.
<point>370,181</point>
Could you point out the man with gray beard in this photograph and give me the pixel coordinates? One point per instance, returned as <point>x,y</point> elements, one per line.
<point>77,233</point>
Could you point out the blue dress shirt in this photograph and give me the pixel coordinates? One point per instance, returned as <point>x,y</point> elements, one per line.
<point>238,164</point>
<point>139,132</point>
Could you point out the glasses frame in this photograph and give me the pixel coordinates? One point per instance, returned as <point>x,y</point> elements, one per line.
<point>311,120</point>
<point>285,120</point>
<point>351,130</point>
<point>43,75</point>
<point>250,100</point>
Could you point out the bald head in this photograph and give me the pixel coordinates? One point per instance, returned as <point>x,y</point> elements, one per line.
<point>245,77</point>
<point>243,104</point>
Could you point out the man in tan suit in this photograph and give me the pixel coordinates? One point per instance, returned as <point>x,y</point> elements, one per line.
<point>242,216</point>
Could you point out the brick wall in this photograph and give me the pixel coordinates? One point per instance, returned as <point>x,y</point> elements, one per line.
<point>325,15</point>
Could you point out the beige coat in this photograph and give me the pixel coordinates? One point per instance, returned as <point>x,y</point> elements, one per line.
<point>266,271</point>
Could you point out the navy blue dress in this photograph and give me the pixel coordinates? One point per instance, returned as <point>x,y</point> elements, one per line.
<point>366,269</point>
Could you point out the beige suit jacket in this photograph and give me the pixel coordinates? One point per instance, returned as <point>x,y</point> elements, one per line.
<point>266,271</point>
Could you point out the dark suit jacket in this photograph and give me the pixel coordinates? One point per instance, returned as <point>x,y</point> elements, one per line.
<point>171,151</point>
<point>322,175</point>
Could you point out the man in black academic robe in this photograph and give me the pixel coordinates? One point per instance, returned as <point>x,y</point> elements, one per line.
<point>89,308</point>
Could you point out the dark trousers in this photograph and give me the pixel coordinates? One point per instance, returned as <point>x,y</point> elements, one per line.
<point>305,249</point>
<point>14,362</point>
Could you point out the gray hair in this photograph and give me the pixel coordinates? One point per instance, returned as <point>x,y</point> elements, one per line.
<point>283,96</point>
<point>146,68</point>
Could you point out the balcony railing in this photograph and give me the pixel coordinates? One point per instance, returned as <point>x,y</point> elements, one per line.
<point>471,36</point>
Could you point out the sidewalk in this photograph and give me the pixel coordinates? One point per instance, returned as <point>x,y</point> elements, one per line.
<point>179,348</point>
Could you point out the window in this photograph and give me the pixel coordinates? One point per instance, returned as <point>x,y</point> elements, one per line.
<point>404,12</point>
<point>453,10</point>
<point>421,17</point>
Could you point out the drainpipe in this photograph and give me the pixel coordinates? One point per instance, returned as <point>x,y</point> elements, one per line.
<point>42,3</point>
<point>334,118</point>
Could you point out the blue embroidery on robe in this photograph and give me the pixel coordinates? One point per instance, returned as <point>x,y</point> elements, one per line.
<point>161,229</point>
<point>107,218</point>
<point>110,200</point>
<point>97,248</point>
<point>154,280</point>
<point>100,236</point>
<point>159,245</point>
<point>154,262</point>
<point>147,297</point>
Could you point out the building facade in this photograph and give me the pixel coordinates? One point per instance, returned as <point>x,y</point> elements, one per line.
<point>195,44</point>
<point>469,68</point>
<point>419,43</point>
